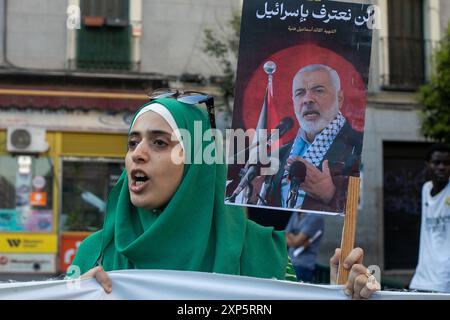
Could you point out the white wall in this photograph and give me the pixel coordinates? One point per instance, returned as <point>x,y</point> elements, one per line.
<point>172,35</point>
<point>37,33</point>
<point>1,29</point>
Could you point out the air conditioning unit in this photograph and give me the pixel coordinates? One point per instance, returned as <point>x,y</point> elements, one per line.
<point>26,140</point>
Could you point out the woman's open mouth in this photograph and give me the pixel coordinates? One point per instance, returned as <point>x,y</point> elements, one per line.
<point>139,181</point>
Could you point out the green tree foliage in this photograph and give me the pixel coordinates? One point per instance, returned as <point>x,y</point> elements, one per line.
<point>435,96</point>
<point>223,47</point>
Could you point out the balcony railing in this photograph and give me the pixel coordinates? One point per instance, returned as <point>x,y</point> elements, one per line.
<point>104,48</point>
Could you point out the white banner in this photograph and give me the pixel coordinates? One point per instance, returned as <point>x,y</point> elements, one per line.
<point>186,285</point>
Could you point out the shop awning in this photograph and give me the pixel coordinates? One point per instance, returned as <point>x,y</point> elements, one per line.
<point>51,99</point>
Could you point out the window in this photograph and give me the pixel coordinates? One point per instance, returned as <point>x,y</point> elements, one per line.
<point>113,12</point>
<point>26,185</point>
<point>406,45</point>
<point>103,42</point>
<point>86,184</point>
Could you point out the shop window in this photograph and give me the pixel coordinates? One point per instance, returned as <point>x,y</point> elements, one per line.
<point>86,184</point>
<point>26,185</point>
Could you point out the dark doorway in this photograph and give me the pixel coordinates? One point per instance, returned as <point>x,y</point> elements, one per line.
<point>404,176</point>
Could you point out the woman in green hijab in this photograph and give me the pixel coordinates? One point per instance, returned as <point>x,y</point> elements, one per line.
<point>168,212</point>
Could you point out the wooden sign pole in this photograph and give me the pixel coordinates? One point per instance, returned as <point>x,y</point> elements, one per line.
<point>349,229</point>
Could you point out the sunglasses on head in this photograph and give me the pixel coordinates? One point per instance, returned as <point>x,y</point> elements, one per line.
<point>189,97</point>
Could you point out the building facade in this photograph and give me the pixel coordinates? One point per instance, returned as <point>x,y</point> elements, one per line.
<point>78,69</point>
<point>72,75</point>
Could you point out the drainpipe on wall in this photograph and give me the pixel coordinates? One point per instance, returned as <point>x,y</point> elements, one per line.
<point>136,33</point>
<point>72,25</point>
<point>5,63</point>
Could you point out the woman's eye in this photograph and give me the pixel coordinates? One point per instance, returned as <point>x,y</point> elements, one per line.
<point>159,143</point>
<point>132,144</point>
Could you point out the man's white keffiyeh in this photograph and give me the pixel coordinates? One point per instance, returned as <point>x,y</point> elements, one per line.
<point>322,142</point>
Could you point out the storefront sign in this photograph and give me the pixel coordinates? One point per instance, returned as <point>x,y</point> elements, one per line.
<point>39,182</point>
<point>23,187</point>
<point>69,245</point>
<point>27,263</point>
<point>28,243</point>
<point>25,220</point>
<point>38,199</point>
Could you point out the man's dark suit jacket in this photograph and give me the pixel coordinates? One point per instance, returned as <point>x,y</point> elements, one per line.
<point>344,158</point>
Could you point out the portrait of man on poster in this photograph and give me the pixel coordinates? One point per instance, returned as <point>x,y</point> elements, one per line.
<point>315,166</point>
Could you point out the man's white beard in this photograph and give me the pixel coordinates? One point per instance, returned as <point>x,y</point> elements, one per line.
<point>315,127</point>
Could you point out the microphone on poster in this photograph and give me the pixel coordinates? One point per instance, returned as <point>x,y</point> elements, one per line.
<point>297,174</point>
<point>251,171</point>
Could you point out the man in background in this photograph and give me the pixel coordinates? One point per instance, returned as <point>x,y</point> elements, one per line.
<point>303,235</point>
<point>433,270</point>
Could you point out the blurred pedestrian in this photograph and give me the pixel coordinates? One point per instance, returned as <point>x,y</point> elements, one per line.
<point>433,270</point>
<point>303,236</point>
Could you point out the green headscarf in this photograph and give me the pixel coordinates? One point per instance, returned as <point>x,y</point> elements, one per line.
<point>195,231</point>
